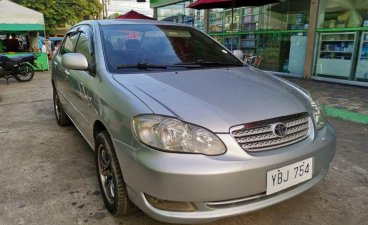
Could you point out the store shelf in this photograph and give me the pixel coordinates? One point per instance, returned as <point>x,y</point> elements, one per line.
<point>342,29</point>
<point>337,40</point>
<point>362,70</point>
<point>336,63</point>
<point>260,32</point>
<point>333,67</point>
<point>253,14</point>
<point>320,58</point>
<point>216,24</point>
<point>345,52</point>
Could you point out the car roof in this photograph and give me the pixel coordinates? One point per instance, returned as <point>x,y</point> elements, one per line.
<point>130,21</point>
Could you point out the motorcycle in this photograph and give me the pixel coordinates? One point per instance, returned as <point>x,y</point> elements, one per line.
<point>20,67</point>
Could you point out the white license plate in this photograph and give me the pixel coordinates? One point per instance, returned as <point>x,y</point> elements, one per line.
<point>290,175</point>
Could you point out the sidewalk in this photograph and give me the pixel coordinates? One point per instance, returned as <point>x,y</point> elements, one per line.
<point>341,101</point>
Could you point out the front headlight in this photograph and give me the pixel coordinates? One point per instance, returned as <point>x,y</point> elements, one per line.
<point>319,114</point>
<point>172,135</point>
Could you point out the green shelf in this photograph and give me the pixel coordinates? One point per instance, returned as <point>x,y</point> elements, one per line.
<point>342,29</point>
<point>259,32</point>
<point>337,52</point>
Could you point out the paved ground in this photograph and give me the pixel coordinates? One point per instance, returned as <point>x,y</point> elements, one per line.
<point>47,173</point>
<point>339,96</point>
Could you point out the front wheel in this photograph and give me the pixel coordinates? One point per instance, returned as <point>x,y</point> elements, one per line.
<point>110,177</point>
<point>25,73</point>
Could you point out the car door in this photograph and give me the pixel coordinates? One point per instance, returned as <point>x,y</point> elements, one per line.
<point>79,94</point>
<point>61,74</point>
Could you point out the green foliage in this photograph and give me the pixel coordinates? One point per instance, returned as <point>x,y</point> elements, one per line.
<point>57,13</point>
<point>114,15</point>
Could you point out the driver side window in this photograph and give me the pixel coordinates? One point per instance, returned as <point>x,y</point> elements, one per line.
<point>83,47</point>
<point>69,44</point>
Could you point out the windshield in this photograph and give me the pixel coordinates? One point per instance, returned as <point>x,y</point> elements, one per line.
<point>136,47</point>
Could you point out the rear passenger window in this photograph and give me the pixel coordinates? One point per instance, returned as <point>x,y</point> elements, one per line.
<point>69,44</point>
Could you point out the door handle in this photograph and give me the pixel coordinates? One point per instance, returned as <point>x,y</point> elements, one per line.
<point>67,72</point>
<point>55,63</point>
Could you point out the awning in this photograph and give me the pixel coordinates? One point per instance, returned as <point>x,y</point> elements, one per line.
<point>11,13</point>
<point>21,27</point>
<point>134,15</point>
<point>14,17</point>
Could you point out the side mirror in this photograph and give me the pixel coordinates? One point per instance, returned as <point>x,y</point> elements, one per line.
<point>74,61</point>
<point>238,54</point>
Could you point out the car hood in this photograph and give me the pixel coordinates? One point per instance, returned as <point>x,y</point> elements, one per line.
<point>216,99</point>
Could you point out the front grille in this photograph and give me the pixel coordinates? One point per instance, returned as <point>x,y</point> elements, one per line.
<point>260,136</point>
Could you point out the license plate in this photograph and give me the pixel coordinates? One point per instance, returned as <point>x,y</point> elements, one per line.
<point>290,175</point>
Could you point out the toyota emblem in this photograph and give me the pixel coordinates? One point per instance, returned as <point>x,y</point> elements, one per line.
<point>279,129</point>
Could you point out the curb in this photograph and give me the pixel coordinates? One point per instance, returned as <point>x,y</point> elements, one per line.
<point>346,115</point>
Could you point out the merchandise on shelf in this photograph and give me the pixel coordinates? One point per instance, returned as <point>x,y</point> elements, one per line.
<point>361,73</point>
<point>216,22</point>
<point>234,40</point>
<point>274,50</point>
<point>336,54</point>
<point>228,18</point>
<point>248,44</point>
<point>337,46</point>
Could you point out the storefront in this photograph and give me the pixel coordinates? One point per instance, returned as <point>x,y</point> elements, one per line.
<point>180,13</point>
<point>274,32</point>
<point>278,33</point>
<point>342,49</point>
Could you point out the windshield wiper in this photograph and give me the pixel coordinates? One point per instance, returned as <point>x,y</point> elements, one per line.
<point>210,63</point>
<point>144,66</point>
<point>141,66</point>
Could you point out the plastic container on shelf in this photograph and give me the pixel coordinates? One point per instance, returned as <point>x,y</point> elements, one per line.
<point>351,47</point>
<point>299,20</point>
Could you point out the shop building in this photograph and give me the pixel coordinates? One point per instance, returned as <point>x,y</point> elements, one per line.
<point>324,39</point>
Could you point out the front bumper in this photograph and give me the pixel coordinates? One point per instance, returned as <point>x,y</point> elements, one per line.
<point>231,180</point>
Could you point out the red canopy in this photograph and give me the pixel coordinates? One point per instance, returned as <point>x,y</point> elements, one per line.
<point>134,15</point>
<point>211,4</point>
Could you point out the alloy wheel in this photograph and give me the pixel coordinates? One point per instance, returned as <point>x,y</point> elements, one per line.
<point>57,107</point>
<point>106,174</point>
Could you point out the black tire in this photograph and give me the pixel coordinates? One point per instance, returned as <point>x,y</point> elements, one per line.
<point>110,178</point>
<point>25,73</point>
<point>62,118</point>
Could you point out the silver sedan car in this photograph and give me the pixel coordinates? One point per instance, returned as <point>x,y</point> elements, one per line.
<point>180,127</point>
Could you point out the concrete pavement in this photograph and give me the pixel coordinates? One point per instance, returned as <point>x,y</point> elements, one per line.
<point>47,172</point>
<point>340,101</point>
